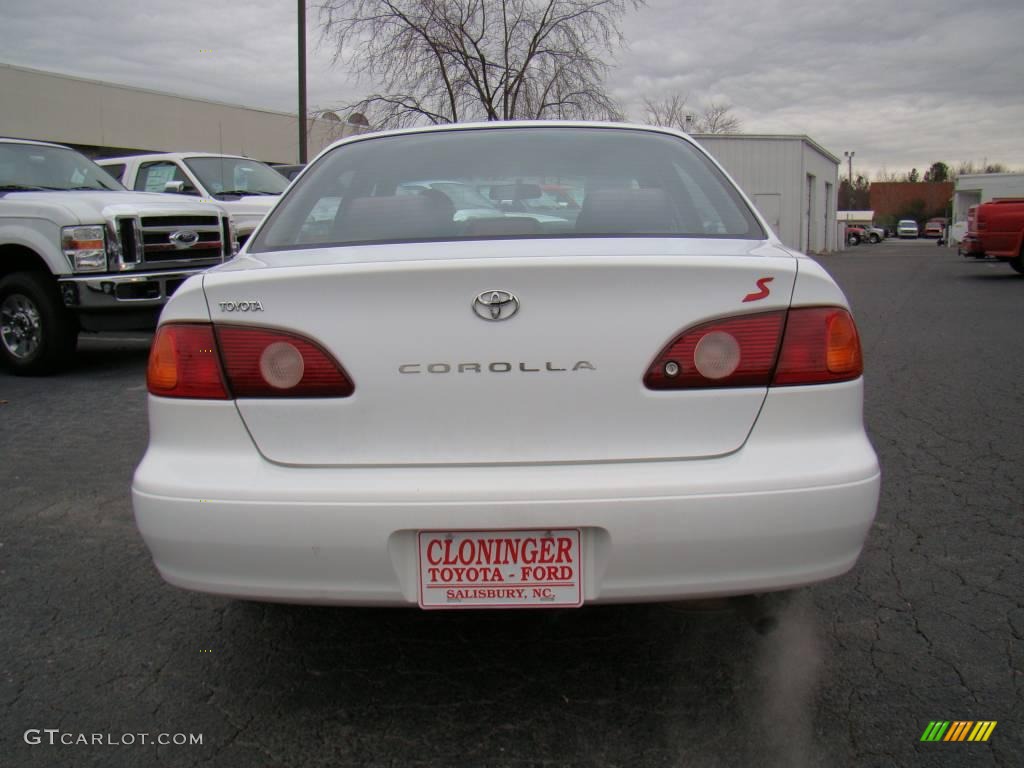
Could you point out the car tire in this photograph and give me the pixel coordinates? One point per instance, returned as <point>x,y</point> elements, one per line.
<point>1018,263</point>
<point>874,238</point>
<point>853,240</point>
<point>37,334</point>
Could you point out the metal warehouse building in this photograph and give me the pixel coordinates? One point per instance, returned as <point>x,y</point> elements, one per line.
<point>793,181</point>
<point>106,119</point>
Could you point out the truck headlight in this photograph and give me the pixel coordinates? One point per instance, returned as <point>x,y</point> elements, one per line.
<point>85,248</point>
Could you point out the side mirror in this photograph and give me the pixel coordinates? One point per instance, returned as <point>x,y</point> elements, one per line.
<point>177,187</point>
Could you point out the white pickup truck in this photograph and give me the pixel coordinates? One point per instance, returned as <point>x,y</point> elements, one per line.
<point>79,252</point>
<point>246,189</point>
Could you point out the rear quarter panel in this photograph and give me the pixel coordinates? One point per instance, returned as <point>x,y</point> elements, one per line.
<point>1004,229</point>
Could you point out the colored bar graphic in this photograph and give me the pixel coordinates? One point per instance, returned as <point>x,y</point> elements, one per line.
<point>935,730</point>
<point>958,730</point>
<point>982,730</point>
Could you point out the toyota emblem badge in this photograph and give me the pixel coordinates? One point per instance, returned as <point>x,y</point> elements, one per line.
<point>496,305</point>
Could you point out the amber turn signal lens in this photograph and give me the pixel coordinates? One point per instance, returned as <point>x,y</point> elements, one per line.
<point>183,363</point>
<point>185,360</point>
<point>162,373</point>
<point>844,355</point>
<point>820,346</point>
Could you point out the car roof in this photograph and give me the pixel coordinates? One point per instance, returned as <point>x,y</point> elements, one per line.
<point>172,156</point>
<point>506,124</point>
<point>11,140</point>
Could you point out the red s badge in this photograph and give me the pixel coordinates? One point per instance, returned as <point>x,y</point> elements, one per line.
<point>761,294</point>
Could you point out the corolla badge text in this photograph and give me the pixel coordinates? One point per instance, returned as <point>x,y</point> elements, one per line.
<point>495,305</point>
<point>500,366</point>
<point>240,306</point>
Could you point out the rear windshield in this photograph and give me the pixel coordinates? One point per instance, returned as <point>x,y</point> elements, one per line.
<point>508,183</point>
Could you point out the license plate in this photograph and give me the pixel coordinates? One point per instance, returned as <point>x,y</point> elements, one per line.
<point>500,569</point>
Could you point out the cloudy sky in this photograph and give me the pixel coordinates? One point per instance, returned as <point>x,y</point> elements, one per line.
<point>903,83</point>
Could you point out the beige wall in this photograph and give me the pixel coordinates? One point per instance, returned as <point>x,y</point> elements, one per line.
<point>51,107</point>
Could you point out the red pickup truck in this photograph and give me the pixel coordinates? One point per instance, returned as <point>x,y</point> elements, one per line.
<point>995,230</point>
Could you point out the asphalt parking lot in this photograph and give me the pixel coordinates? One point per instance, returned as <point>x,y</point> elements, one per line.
<point>929,626</point>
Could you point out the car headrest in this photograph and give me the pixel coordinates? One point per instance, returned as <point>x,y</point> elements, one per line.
<point>619,210</point>
<point>400,217</point>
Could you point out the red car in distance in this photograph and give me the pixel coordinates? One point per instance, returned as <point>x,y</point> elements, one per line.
<point>935,227</point>
<point>855,235</point>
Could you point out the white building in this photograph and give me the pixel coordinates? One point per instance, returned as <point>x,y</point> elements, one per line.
<point>793,181</point>
<point>974,188</point>
<point>861,218</point>
<point>106,120</point>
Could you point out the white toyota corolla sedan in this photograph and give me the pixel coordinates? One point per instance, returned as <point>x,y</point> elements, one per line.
<point>638,394</point>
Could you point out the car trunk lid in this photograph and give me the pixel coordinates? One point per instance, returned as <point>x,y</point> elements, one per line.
<point>438,381</point>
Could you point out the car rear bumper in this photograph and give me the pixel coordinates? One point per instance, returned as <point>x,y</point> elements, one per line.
<point>787,509</point>
<point>970,246</point>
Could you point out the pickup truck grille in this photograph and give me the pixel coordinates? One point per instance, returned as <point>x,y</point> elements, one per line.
<point>173,240</point>
<point>177,221</point>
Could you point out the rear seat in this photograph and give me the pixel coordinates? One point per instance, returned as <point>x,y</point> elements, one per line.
<point>402,217</point>
<point>621,211</point>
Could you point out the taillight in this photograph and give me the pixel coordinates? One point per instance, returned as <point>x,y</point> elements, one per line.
<point>183,363</point>
<point>265,363</point>
<point>806,345</point>
<point>203,361</point>
<point>734,352</point>
<point>821,346</point>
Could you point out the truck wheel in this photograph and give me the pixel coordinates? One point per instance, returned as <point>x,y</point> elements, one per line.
<point>1018,263</point>
<point>37,334</point>
<point>874,238</point>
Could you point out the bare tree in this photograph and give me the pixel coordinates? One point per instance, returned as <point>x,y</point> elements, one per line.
<point>965,168</point>
<point>669,112</point>
<point>717,117</point>
<point>441,61</point>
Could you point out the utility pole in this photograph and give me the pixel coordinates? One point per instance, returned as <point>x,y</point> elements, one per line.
<point>849,179</point>
<point>302,81</point>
